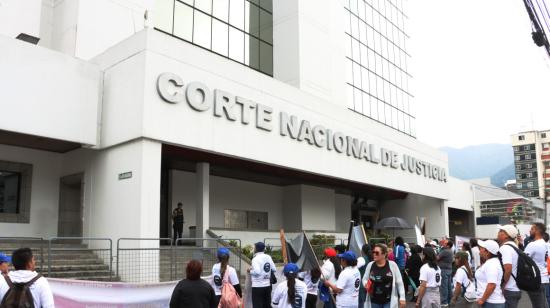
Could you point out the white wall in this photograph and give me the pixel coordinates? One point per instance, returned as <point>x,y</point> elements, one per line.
<point>342,210</point>
<point>17,16</point>
<point>308,47</point>
<point>461,195</point>
<point>318,208</point>
<point>416,205</point>
<point>292,208</point>
<point>104,23</point>
<point>226,193</point>
<point>44,192</point>
<point>41,87</point>
<point>126,208</point>
<point>177,124</point>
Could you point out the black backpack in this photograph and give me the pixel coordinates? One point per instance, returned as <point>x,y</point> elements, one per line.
<point>19,295</point>
<point>528,275</point>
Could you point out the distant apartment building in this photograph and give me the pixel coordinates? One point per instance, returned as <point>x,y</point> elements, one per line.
<point>532,163</point>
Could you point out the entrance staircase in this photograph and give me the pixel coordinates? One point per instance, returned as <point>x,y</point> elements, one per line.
<point>69,261</point>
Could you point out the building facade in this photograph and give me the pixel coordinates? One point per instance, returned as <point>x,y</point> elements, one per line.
<point>255,114</point>
<point>532,162</point>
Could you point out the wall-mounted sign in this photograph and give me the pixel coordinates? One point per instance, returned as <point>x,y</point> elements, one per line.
<point>125,175</point>
<point>235,108</point>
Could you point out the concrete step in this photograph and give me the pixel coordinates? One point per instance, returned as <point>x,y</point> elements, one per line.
<point>72,261</point>
<point>80,274</point>
<point>78,267</point>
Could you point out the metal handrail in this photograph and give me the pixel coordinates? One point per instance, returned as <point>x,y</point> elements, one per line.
<point>50,240</point>
<point>30,239</point>
<point>218,240</point>
<point>141,239</point>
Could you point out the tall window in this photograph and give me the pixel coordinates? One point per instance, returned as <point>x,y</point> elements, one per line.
<point>376,62</point>
<point>241,30</point>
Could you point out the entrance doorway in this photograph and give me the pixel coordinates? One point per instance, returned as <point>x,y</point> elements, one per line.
<point>70,206</point>
<point>461,223</point>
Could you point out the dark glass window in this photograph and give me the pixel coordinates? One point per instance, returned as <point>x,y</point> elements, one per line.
<point>240,30</point>
<point>10,186</point>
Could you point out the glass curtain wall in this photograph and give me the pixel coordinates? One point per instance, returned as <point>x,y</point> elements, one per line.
<point>240,30</point>
<point>377,76</point>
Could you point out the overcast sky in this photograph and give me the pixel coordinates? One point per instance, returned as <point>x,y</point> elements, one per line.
<point>478,76</point>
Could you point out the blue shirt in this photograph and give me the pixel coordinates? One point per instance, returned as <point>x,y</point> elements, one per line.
<point>399,253</point>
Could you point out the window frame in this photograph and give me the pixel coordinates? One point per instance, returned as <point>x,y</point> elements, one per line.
<point>25,188</point>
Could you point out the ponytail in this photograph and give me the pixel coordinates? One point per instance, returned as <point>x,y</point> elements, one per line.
<point>291,286</point>
<point>223,264</point>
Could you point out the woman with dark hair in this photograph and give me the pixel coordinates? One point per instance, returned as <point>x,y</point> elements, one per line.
<point>464,277</point>
<point>311,279</point>
<point>331,270</point>
<point>193,291</point>
<point>489,276</point>
<point>476,261</point>
<point>293,293</point>
<point>430,281</point>
<point>414,263</point>
<point>347,285</point>
<point>222,270</point>
<point>383,281</point>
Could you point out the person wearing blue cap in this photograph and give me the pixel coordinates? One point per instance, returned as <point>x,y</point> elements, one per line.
<point>223,271</point>
<point>293,293</point>
<point>260,273</point>
<point>348,283</point>
<point>4,264</point>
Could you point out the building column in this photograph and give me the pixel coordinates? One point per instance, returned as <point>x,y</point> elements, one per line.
<point>203,199</point>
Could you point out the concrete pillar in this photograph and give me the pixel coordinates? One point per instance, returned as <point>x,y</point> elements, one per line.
<point>203,199</point>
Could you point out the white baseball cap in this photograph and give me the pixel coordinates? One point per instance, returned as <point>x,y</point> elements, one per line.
<point>490,245</point>
<point>510,230</point>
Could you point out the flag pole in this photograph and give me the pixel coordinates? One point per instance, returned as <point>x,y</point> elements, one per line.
<point>318,264</point>
<point>364,235</point>
<point>283,245</point>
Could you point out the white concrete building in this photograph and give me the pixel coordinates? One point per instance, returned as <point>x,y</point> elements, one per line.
<point>256,115</point>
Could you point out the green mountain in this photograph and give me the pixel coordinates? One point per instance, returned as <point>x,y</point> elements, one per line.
<point>479,161</point>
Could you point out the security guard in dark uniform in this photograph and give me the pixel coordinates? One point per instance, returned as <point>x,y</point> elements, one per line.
<point>177,221</point>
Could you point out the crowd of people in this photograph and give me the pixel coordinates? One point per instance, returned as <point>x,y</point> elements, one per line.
<point>486,273</point>
<point>482,273</point>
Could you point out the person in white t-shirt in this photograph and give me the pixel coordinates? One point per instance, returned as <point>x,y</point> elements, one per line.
<point>25,272</point>
<point>489,276</point>
<point>476,261</point>
<point>260,275</point>
<point>222,270</point>
<point>311,279</point>
<point>430,281</point>
<point>293,292</point>
<point>348,283</point>
<point>463,278</point>
<point>330,270</point>
<point>506,237</point>
<point>537,250</point>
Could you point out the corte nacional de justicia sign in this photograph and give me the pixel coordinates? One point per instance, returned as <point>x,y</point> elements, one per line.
<point>200,98</point>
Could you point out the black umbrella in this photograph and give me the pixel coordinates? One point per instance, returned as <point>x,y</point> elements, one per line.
<point>393,223</point>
